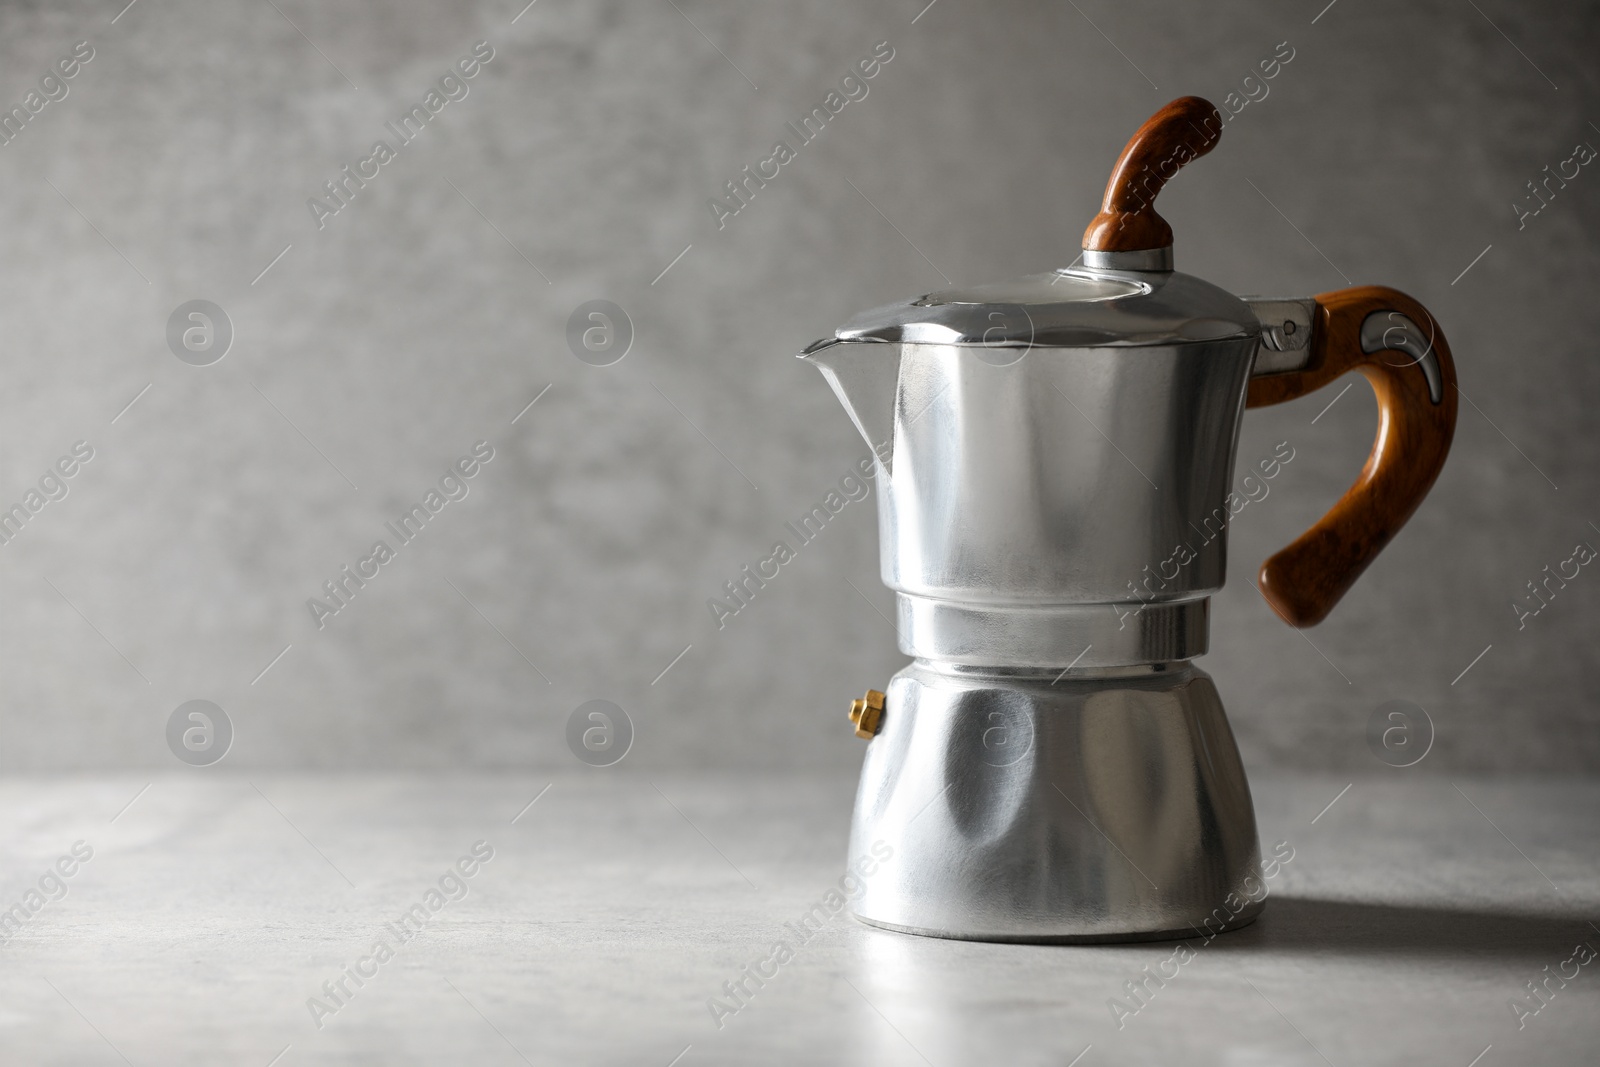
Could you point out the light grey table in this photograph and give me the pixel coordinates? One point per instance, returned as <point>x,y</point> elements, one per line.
<point>214,906</point>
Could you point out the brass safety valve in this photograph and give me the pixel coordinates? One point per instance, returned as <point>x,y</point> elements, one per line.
<point>866,713</point>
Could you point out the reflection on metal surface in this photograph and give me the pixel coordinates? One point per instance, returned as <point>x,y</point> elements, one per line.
<point>1121,633</point>
<point>863,377</point>
<point>1027,501</point>
<point>1052,768</point>
<point>1094,809</point>
<point>1390,329</point>
<point>1142,259</point>
<point>1286,329</point>
<point>1072,306</point>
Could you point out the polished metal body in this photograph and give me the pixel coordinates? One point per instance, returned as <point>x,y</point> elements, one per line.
<point>1042,475</point>
<point>1032,505</point>
<point>1102,806</point>
<point>1057,455</point>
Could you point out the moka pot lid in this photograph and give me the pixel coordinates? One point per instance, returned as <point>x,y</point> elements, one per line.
<point>1073,307</point>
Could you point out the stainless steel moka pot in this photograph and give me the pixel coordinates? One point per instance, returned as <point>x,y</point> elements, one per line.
<point>1057,463</point>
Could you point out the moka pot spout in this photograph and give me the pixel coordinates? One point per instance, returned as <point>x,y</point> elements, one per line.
<point>864,376</point>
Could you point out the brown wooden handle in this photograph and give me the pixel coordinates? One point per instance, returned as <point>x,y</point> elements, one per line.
<point>1304,581</point>
<point>1185,129</point>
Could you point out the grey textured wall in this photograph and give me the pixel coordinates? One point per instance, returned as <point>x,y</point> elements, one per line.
<point>428,312</point>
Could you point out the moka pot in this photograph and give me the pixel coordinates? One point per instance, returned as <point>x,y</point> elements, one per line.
<point>1057,456</point>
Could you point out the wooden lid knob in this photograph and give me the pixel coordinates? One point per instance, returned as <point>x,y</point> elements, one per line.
<point>1185,129</point>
